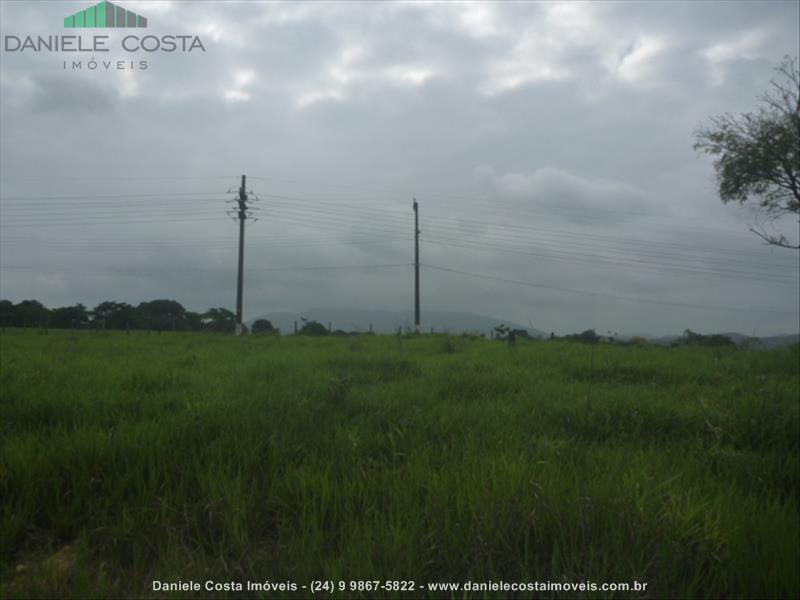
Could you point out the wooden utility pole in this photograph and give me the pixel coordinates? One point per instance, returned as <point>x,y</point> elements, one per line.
<point>416,266</point>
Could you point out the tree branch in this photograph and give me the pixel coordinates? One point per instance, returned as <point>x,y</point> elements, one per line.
<point>775,241</point>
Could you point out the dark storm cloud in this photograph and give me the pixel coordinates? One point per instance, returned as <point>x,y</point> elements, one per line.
<point>546,142</point>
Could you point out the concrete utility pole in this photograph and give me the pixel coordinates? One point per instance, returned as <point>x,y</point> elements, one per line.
<point>242,201</point>
<point>241,213</point>
<point>416,266</point>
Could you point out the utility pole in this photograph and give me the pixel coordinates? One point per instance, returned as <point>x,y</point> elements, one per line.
<point>416,266</point>
<point>240,276</point>
<point>241,213</point>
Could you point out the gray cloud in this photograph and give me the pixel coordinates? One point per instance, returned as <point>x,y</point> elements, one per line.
<point>547,143</point>
<point>71,97</point>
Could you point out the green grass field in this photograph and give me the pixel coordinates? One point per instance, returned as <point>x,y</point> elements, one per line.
<point>126,459</point>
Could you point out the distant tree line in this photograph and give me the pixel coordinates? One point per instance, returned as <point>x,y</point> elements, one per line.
<point>315,328</point>
<point>170,315</point>
<point>155,315</point>
<point>690,338</point>
<point>590,336</point>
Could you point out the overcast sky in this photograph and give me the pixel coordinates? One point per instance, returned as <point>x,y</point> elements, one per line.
<point>546,143</point>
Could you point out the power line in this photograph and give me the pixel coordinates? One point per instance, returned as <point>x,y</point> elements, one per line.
<point>110,246</point>
<point>331,225</point>
<point>178,218</point>
<point>402,194</point>
<point>547,254</point>
<point>610,244</point>
<point>517,205</point>
<point>603,294</point>
<point>338,267</point>
<point>27,199</point>
<point>399,194</point>
<point>201,269</point>
<point>57,217</point>
<point>600,259</point>
<point>624,253</point>
<point>553,244</point>
<point>512,229</point>
<point>344,224</point>
<point>568,255</point>
<point>494,203</point>
<point>125,178</point>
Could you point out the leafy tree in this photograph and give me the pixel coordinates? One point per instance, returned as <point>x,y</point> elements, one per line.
<point>587,337</point>
<point>8,314</point>
<point>193,321</point>
<point>115,315</point>
<point>161,314</point>
<point>759,153</point>
<point>313,328</point>
<point>31,313</point>
<point>69,316</point>
<point>219,319</point>
<point>262,326</point>
<point>503,332</point>
<point>697,339</point>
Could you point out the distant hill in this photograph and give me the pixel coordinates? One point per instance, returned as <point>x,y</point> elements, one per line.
<point>384,321</point>
<point>740,339</point>
<point>777,341</point>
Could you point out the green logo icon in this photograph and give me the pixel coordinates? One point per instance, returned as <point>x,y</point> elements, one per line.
<point>105,14</point>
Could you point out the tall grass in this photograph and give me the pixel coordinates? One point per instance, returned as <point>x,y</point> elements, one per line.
<point>131,458</point>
